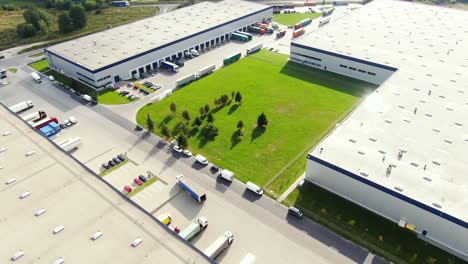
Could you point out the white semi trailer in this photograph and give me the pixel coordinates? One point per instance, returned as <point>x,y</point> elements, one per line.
<point>205,71</point>
<point>70,144</point>
<point>194,228</point>
<point>19,107</point>
<point>185,80</point>
<point>219,245</point>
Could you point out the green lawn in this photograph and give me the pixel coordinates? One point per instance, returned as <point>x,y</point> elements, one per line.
<point>40,65</point>
<point>96,22</point>
<point>13,70</point>
<point>291,19</point>
<point>112,97</point>
<point>143,186</point>
<point>299,102</point>
<point>144,87</point>
<point>372,231</point>
<point>104,173</point>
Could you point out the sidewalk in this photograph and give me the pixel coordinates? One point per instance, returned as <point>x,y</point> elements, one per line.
<point>290,188</point>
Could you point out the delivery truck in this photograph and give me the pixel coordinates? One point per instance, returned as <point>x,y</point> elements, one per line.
<point>70,144</point>
<point>219,245</point>
<point>36,77</point>
<point>20,107</point>
<point>34,117</point>
<point>297,33</point>
<point>194,228</point>
<point>170,66</point>
<point>186,184</point>
<point>44,122</point>
<point>185,80</point>
<point>254,49</point>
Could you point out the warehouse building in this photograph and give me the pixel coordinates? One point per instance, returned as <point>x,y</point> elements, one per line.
<point>402,152</point>
<point>120,53</point>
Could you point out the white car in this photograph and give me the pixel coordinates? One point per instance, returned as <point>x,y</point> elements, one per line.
<point>72,120</point>
<point>194,52</point>
<point>51,78</point>
<point>187,153</point>
<point>67,122</point>
<point>177,149</point>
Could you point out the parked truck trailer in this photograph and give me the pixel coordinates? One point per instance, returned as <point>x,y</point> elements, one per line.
<point>36,77</point>
<point>170,66</point>
<point>240,37</point>
<point>205,70</point>
<point>20,107</point>
<point>248,35</point>
<point>194,228</point>
<point>231,59</point>
<point>70,144</point>
<point>219,245</point>
<point>34,117</point>
<point>185,80</point>
<point>297,33</point>
<point>44,122</point>
<point>254,49</point>
<point>186,184</point>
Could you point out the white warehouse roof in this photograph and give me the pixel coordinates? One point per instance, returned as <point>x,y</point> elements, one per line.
<point>113,45</point>
<point>429,46</point>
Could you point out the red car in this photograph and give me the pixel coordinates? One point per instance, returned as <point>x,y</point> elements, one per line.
<point>137,181</point>
<point>128,189</point>
<point>136,87</point>
<point>116,87</point>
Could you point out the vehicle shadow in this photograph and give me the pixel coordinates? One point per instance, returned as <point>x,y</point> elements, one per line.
<point>185,205</point>
<point>222,185</point>
<point>250,196</point>
<point>197,165</point>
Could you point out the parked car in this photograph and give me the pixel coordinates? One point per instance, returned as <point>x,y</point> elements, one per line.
<point>142,178</point>
<point>124,93</point>
<point>128,189</point>
<point>194,52</point>
<point>138,128</point>
<point>187,153</point>
<point>116,87</point>
<point>111,163</point>
<point>144,92</point>
<point>137,181</point>
<point>296,212</point>
<point>116,160</point>
<point>136,87</point>
<point>63,125</point>
<point>72,119</point>
<point>78,93</point>
<point>177,149</point>
<point>106,166</point>
<point>130,84</point>
<point>121,157</point>
<point>67,122</point>
<point>188,55</point>
<point>214,168</point>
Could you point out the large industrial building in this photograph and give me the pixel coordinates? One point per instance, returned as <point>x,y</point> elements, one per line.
<point>56,210</point>
<point>402,152</point>
<point>120,53</point>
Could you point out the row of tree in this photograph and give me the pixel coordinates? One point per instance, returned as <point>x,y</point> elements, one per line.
<point>87,4</point>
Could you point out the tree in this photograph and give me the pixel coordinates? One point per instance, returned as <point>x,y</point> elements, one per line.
<point>50,4</point>
<point>262,120</point>
<point>186,116</point>
<point>224,98</point>
<point>202,111</point>
<point>89,5</point>
<point>78,15</point>
<point>173,108</point>
<point>207,108</point>
<point>182,141</point>
<point>31,16</point>
<point>25,30</point>
<point>240,125</point>
<point>210,118</point>
<point>165,132</point>
<point>238,97</point>
<point>198,121</point>
<point>43,27</point>
<point>150,123</point>
<point>59,4</point>
<point>211,131</point>
<point>233,94</point>
<point>65,23</point>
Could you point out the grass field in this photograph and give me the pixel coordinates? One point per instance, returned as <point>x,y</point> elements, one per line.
<point>96,22</point>
<point>291,19</point>
<point>104,173</point>
<point>372,231</point>
<point>112,97</point>
<point>299,102</point>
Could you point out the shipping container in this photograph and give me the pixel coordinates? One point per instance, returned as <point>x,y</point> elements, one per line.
<point>239,37</point>
<point>306,22</point>
<point>250,36</point>
<point>298,32</point>
<point>50,129</point>
<point>231,59</point>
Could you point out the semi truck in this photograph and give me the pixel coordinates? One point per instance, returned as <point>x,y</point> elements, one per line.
<point>258,30</point>
<point>36,77</point>
<point>281,34</point>
<point>328,12</point>
<point>170,66</point>
<point>34,117</point>
<point>231,59</point>
<point>50,129</point>
<point>255,48</point>
<point>324,21</point>
<point>248,35</point>
<point>303,23</point>
<point>205,70</point>
<point>239,37</point>
<point>194,228</point>
<point>44,122</point>
<point>185,80</point>
<point>219,245</point>
<point>297,33</point>
<point>19,107</point>
<point>70,144</point>
<point>188,186</point>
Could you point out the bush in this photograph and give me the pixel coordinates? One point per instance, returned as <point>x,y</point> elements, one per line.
<point>78,15</point>
<point>7,7</point>
<point>89,5</point>
<point>25,30</point>
<point>65,23</point>
<point>98,11</point>
<point>50,4</point>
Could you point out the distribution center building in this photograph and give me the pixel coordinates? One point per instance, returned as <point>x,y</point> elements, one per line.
<point>119,53</point>
<point>402,152</point>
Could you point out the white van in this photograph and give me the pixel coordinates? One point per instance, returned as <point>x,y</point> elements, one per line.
<point>201,159</point>
<point>194,52</point>
<point>228,175</point>
<point>254,188</point>
<point>137,242</point>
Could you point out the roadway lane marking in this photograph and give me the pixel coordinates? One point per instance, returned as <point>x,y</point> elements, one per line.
<point>369,259</point>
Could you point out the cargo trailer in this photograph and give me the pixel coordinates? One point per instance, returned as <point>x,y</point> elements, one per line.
<point>36,77</point>
<point>185,80</point>
<point>297,33</point>
<point>19,107</point>
<point>219,245</point>
<point>170,66</point>
<point>194,229</point>
<point>324,21</point>
<point>250,36</point>
<point>281,34</point>
<point>34,117</point>
<point>186,184</point>
<point>44,122</point>
<point>235,36</point>
<point>70,144</point>
<point>254,29</point>
<point>205,71</point>
<point>255,48</point>
<point>231,59</point>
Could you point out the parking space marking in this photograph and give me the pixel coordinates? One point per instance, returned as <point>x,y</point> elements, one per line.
<point>97,156</point>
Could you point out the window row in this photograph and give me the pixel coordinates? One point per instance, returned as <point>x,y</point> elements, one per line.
<point>103,78</point>
<point>84,76</point>
<point>354,69</point>
<point>310,57</point>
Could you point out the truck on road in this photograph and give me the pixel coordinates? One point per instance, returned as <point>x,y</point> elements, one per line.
<point>194,228</point>
<point>219,245</point>
<point>34,117</point>
<point>20,107</point>
<point>36,77</point>
<point>170,66</point>
<point>70,144</point>
<point>188,186</point>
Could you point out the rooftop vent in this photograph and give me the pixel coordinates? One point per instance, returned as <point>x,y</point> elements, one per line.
<point>388,121</point>
<point>381,151</point>
<point>415,164</point>
<point>353,140</point>
<point>361,152</point>
<point>427,178</point>
<point>399,188</point>
<point>364,173</point>
<point>373,139</point>
<point>436,162</point>
<point>429,114</point>
<point>437,204</point>
<point>447,140</point>
<point>436,129</point>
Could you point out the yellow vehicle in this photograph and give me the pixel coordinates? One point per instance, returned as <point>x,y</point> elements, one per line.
<point>165,218</point>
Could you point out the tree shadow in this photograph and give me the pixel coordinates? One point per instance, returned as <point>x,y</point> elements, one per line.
<point>257,132</point>
<point>177,129</point>
<point>236,138</point>
<point>233,108</point>
<point>166,120</point>
<point>193,131</point>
